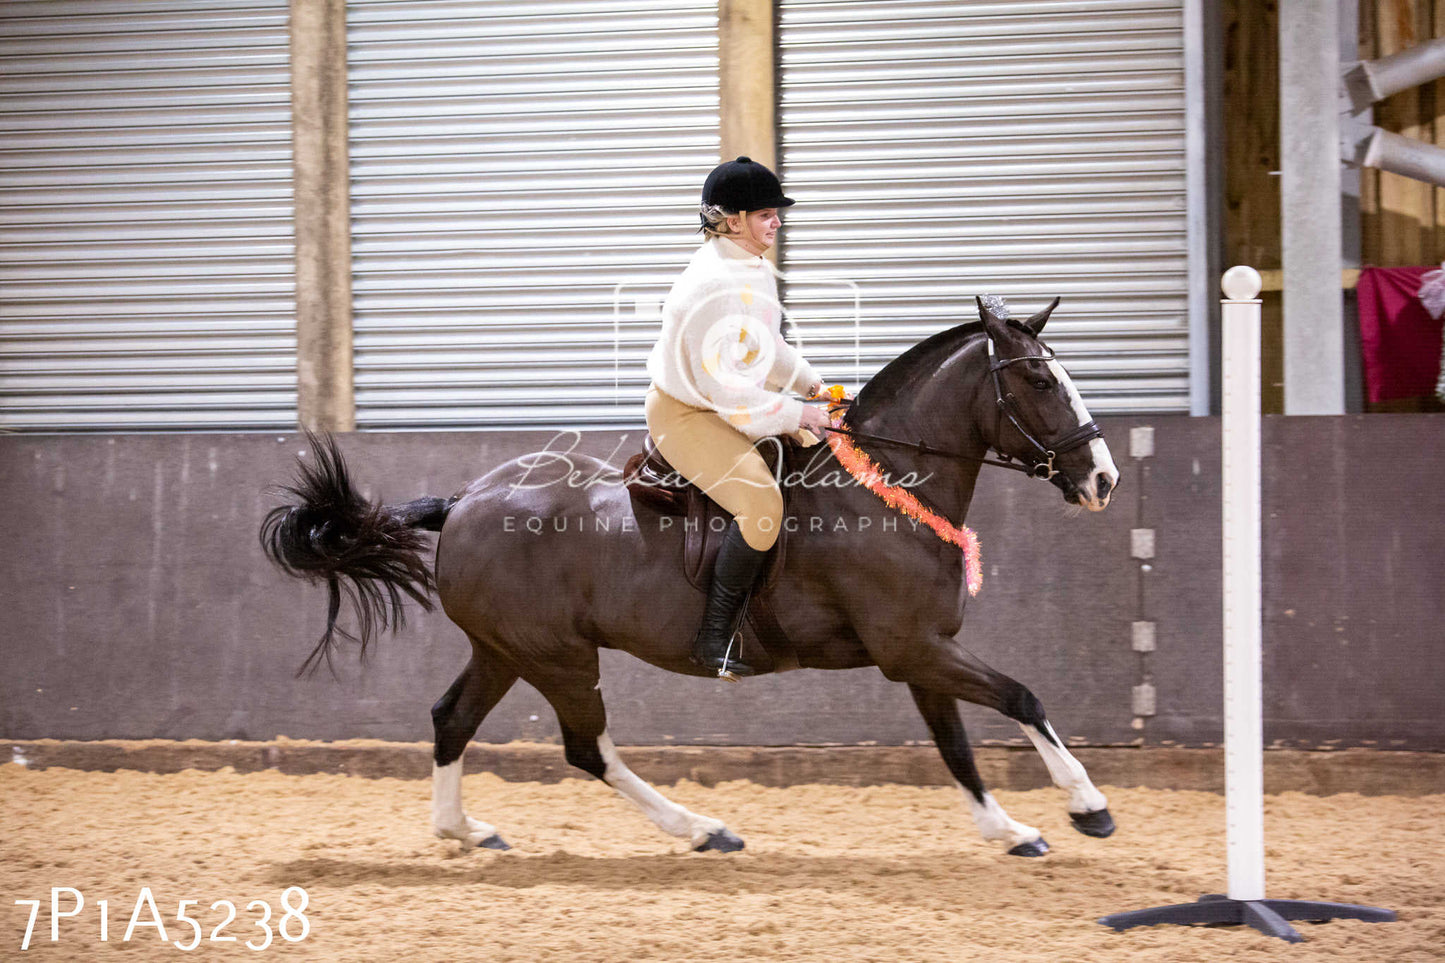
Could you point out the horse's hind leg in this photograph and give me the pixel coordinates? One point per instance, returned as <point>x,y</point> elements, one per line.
<point>456,716</point>
<point>583,718</point>
<point>941,713</point>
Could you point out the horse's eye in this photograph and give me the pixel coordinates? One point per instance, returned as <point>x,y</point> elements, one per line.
<point>1043,385</point>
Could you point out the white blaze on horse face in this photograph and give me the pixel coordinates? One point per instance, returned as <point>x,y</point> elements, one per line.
<point>671,818</point>
<point>1066,771</point>
<point>1104,466</point>
<point>448,816</point>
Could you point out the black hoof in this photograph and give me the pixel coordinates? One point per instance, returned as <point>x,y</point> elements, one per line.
<point>1036,848</point>
<point>493,842</point>
<point>1098,823</point>
<point>721,841</point>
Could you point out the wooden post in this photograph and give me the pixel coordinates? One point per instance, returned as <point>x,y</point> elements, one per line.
<point>747,92</point>
<point>747,86</point>
<point>321,181</point>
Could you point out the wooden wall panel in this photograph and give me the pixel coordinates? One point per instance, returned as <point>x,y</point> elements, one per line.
<point>1402,221</point>
<point>1251,175</point>
<point>1400,227</point>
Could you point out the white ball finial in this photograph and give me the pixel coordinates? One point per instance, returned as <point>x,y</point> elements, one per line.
<point>1241,283</point>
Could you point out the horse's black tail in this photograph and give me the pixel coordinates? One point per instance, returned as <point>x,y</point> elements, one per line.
<point>372,553</point>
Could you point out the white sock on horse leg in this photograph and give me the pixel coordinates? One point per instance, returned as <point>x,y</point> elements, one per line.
<point>671,818</point>
<point>448,814</point>
<point>996,825</point>
<point>1066,771</point>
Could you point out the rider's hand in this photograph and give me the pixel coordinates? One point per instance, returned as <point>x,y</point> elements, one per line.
<point>814,420</point>
<point>814,390</point>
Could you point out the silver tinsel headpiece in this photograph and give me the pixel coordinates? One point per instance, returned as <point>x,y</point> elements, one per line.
<point>996,306</point>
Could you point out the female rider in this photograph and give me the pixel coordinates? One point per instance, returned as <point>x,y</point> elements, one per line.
<point>718,372</point>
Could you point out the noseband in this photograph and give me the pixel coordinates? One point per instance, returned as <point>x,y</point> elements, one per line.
<point>1042,464</point>
<point>1044,455</point>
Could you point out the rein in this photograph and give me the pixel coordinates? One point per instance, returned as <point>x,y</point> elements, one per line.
<point>926,449</point>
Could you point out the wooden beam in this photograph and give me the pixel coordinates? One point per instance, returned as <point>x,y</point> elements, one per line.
<point>747,90</point>
<point>325,393</point>
<point>747,85</point>
<point>1274,280</point>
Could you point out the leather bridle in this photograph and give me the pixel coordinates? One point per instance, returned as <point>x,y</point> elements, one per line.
<point>1042,464</point>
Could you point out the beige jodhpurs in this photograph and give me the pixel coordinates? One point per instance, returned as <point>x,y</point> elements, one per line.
<point>720,460</point>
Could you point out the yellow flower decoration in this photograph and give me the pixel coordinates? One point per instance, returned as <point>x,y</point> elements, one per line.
<point>836,395</point>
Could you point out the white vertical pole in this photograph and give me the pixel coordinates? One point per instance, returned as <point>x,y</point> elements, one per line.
<point>1243,729</point>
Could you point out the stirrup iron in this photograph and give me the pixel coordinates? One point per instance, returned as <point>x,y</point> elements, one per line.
<point>723,671</point>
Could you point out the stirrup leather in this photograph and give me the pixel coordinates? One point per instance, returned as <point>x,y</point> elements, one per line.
<point>723,672</point>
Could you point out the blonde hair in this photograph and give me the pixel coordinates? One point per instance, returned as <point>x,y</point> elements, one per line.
<point>715,220</point>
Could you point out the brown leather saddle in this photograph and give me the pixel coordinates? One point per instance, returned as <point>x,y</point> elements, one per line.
<point>655,484</point>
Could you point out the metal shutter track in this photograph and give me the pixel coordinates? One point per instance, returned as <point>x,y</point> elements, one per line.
<point>145,215</point>
<point>511,164</point>
<point>1029,149</point>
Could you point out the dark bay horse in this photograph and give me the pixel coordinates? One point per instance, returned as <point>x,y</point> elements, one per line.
<point>537,602</point>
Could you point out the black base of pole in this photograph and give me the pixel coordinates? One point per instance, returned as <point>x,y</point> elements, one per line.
<point>1269,916</point>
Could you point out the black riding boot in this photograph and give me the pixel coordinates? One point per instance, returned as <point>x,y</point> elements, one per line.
<point>733,576</point>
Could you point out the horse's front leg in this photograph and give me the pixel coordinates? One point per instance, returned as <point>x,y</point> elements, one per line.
<point>944,667</point>
<point>1088,809</point>
<point>941,713</point>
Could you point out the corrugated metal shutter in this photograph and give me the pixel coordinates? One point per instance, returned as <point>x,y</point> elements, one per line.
<point>145,215</point>
<point>1028,148</point>
<point>513,163</point>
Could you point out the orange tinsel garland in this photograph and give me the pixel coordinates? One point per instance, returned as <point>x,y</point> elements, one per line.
<point>867,473</point>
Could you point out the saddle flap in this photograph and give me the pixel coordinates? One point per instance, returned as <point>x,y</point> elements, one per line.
<point>655,483</point>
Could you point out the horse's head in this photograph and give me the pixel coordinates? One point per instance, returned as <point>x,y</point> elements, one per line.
<point>1041,420</point>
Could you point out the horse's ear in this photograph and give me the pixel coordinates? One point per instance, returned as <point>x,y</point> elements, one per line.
<point>985,311</point>
<point>1037,322</point>
<point>994,321</point>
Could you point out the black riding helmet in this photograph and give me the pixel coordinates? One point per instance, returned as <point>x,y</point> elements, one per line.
<point>743,185</point>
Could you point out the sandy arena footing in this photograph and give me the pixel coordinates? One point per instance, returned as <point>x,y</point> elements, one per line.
<point>831,873</point>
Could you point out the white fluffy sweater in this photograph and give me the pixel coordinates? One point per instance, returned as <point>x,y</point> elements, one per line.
<point>721,345</point>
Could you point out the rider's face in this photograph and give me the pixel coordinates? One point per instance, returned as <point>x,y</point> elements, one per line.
<point>755,231</point>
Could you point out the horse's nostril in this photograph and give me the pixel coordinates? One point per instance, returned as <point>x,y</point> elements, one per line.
<point>1104,485</point>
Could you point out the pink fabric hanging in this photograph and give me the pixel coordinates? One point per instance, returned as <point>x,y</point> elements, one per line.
<point>1398,338</point>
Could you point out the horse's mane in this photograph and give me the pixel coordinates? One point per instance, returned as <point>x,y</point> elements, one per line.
<point>930,353</point>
